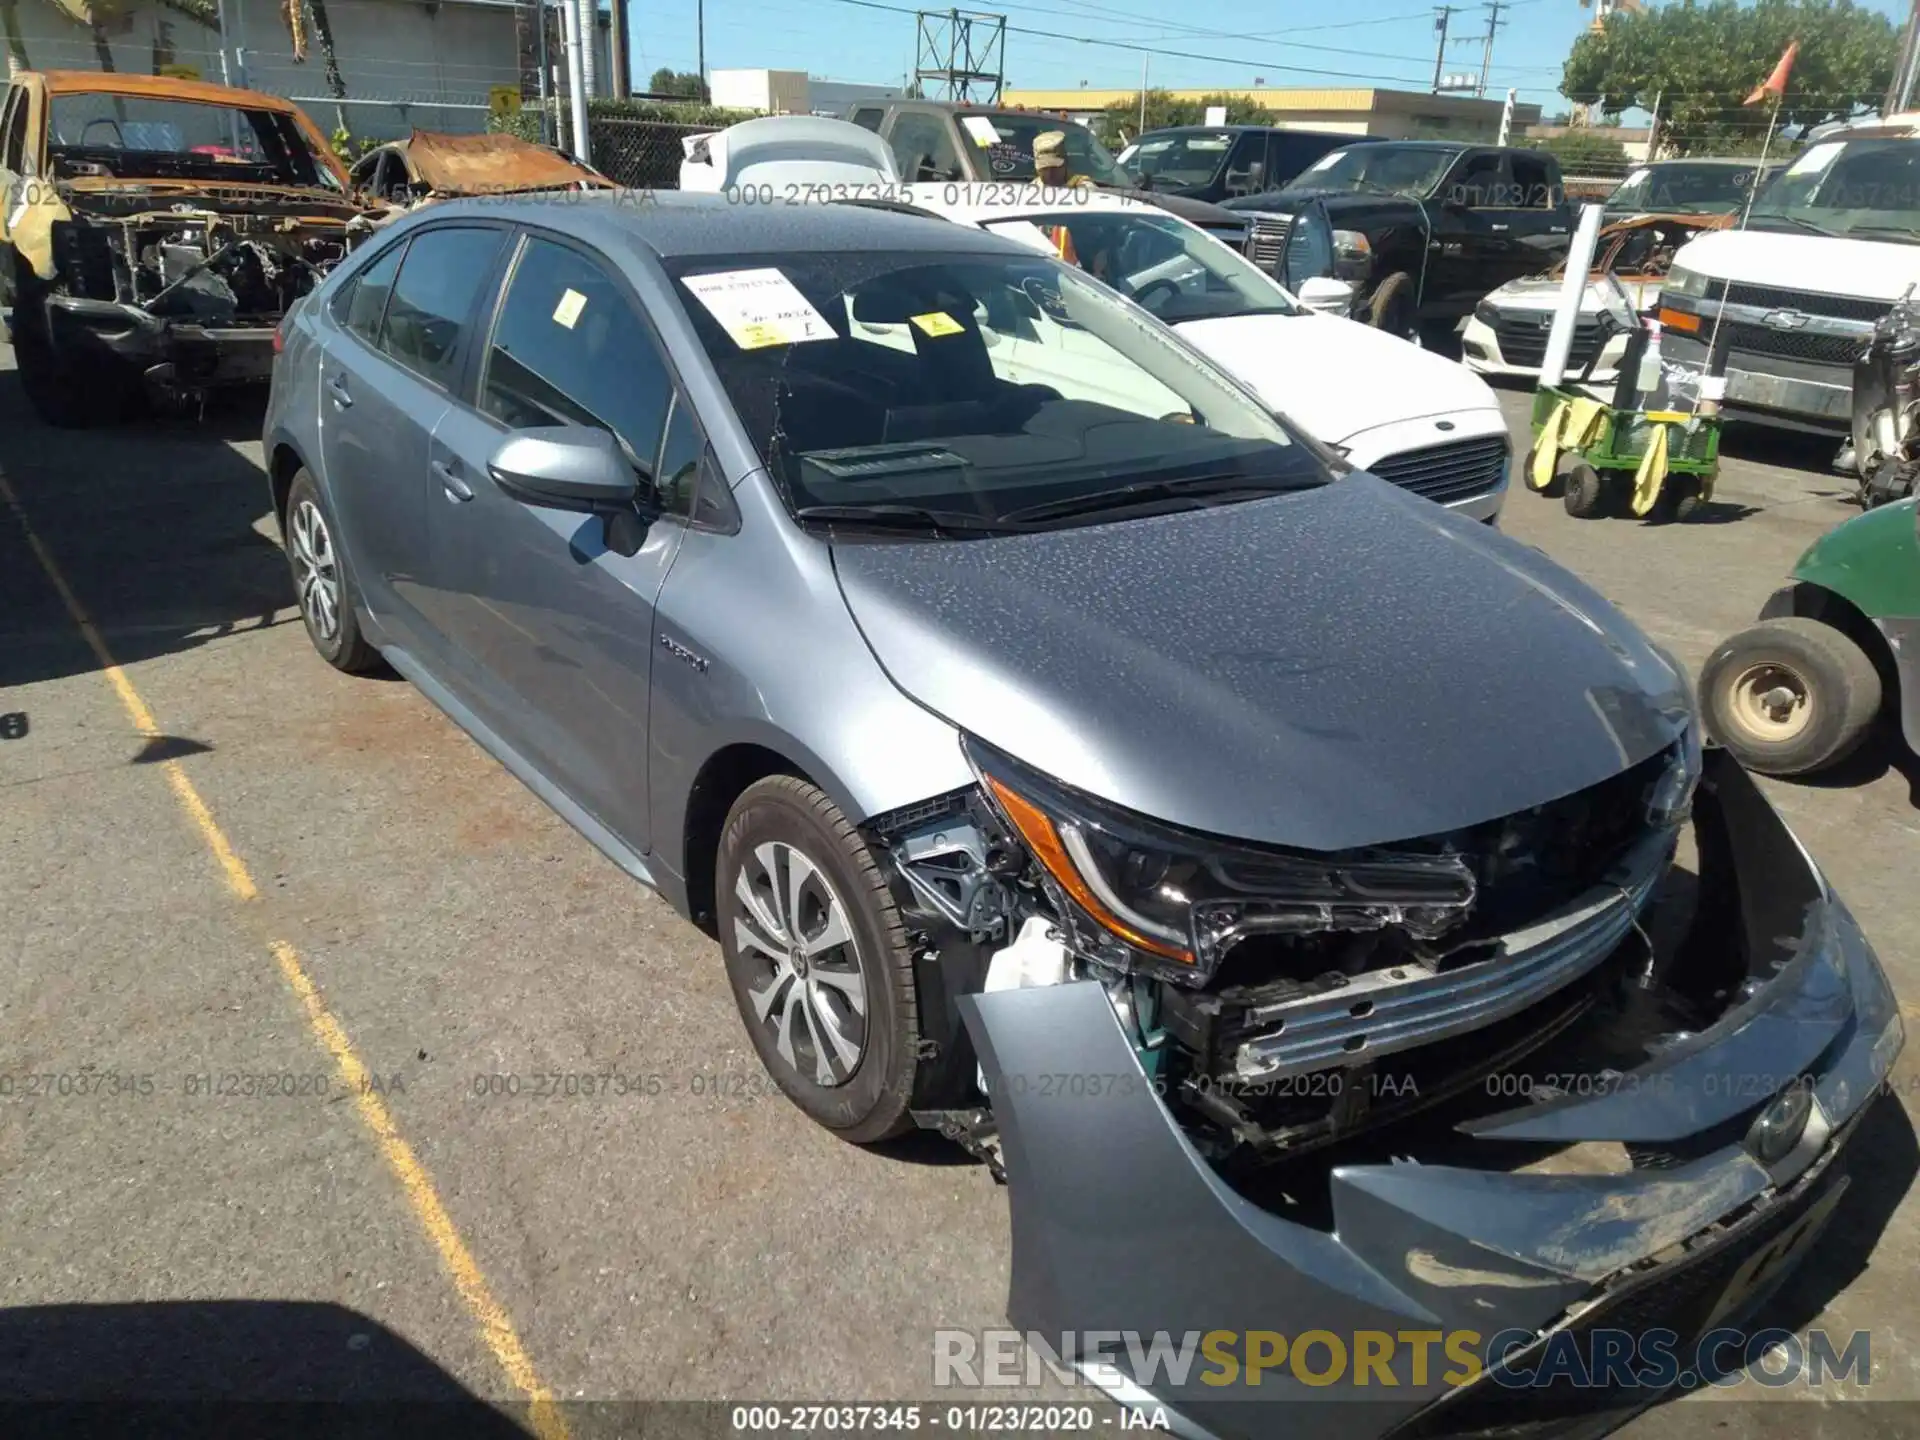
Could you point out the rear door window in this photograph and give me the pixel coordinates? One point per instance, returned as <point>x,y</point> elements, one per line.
<point>364,304</point>
<point>13,131</point>
<point>923,147</point>
<point>432,305</point>
<point>869,116</point>
<point>569,349</point>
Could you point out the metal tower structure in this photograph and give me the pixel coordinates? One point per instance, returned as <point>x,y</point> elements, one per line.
<point>960,55</point>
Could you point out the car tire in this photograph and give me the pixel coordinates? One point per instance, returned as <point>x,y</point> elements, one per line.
<point>836,1025</point>
<point>1789,696</point>
<point>322,588</point>
<point>1586,491</point>
<point>1392,307</point>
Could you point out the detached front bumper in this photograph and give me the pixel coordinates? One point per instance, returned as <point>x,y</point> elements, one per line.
<point>1119,1225</point>
<point>171,354</point>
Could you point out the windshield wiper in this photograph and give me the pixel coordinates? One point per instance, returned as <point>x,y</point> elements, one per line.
<point>1196,487</point>
<point>1896,232</point>
<point>1804,224</point>
<point>890,515</point>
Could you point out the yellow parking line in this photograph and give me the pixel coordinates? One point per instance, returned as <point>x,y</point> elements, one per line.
<point>496,1327</point>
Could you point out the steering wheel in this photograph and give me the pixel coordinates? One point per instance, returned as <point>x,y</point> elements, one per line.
<point>1139,296</point>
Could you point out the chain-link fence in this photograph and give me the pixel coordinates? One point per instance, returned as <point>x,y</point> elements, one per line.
<point>643,154</point>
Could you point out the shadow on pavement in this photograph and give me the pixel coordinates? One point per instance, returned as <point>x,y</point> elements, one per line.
<point>226,1368</point>
<point>1883,751</point>
<point>160,528</point>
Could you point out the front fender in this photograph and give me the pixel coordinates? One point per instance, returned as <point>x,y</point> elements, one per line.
<point>1872,561</point>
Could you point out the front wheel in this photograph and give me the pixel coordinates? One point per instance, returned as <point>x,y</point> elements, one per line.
<point>819,960</point>
<point>1789,696</point>
<point>1394,307</point>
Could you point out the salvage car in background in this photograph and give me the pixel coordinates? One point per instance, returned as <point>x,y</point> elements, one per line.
<point>933,140</point>
<point>1701,186</point>
<point>428,166</point>
<point>1079,772</point>
<point>1425,228</point>
<point>1834,650</point>
<point>155,232</point>
<point>1218,162</point>
<point>1507,332</point>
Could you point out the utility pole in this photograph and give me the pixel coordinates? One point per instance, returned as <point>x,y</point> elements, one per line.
<point>1900,92</point>
<point>619,41</point>
<point>1493,9</point>
<point>1441,15</point>
<point>700,25</point>
<point>1147,56</point>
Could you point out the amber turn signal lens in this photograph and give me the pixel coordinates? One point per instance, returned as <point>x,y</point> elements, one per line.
<point>1679,320</point>
<point>1044,840</point>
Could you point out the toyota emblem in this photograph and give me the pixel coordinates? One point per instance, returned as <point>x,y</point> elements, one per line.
<point>1778,1128</point>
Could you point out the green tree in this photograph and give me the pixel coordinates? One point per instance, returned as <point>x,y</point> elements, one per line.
<point>686,83</point>
<point>1702,60</point>
<point>1119,123</point>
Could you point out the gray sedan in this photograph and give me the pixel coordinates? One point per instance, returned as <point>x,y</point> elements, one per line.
<point>1069,757</point>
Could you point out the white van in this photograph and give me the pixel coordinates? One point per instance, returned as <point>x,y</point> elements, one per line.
<point>1828,248</point>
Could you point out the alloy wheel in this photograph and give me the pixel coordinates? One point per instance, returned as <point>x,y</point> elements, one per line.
<point>797,944</point>
<point>316,572</point>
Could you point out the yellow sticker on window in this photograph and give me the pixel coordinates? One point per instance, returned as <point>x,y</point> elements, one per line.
<point>938,323</point>
<point>567,312</point>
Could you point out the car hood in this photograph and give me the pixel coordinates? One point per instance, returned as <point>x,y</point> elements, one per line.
<point>1544,294</point>
<point>1870,267</point>
<point>1304,366</point>
<point>1344,666</point>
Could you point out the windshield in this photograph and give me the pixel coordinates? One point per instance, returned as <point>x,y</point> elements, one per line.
<point>1156,261</point>
<point>1007,139</point>
<point>973,386</point>
<point>1847,187</point>
<point>1683,190</point>
<point>1403,169</point>
<point>137,137</point>
<point>1181,158</point>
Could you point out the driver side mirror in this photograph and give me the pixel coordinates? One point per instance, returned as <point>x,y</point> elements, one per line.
<point>1325,295</point>
<point>566,467</point>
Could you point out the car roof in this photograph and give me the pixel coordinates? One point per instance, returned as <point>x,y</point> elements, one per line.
<point>162,87</point>
<point>1746,162</point>
<point>673,224</point>
<point>1268,129</point>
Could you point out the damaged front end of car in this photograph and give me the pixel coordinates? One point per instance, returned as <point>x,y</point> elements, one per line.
<point>1592,1064</point>
<point>186,290</point>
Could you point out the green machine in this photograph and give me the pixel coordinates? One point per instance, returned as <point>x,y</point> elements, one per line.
<point>1834,648</point>
<point>1606,460</point>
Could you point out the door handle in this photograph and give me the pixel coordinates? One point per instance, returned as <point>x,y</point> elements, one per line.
<point>337,388</point>
<point>451,485</point>
<point>1499,227</point>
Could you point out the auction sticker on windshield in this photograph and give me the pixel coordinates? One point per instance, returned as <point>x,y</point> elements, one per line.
<point>938,323</point>
<point>758,308</point>
<point>981,129</point>
<point>1815,160</point>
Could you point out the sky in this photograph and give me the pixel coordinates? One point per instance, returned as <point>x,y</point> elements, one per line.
<point>1387,44</point>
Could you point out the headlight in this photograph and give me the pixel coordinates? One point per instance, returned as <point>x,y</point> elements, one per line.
<point>1684,282</point>
<point>1351,245</point>
<point>1144,896</point>
<point>1486,314</point>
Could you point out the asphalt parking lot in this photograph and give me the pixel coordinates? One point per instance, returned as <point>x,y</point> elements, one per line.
<point>223,861</point>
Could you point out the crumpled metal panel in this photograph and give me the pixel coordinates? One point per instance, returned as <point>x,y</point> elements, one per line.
<point>491,165</point>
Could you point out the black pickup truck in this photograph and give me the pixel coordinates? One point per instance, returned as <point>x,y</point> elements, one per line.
<point>1422,229</point>
<point>936,140</point>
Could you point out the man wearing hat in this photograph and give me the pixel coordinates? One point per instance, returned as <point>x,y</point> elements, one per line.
<point>1050,164</point>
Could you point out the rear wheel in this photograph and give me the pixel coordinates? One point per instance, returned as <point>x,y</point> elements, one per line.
<point>321,584</point>
<point>1789,696</point>
<point>819,960</point>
